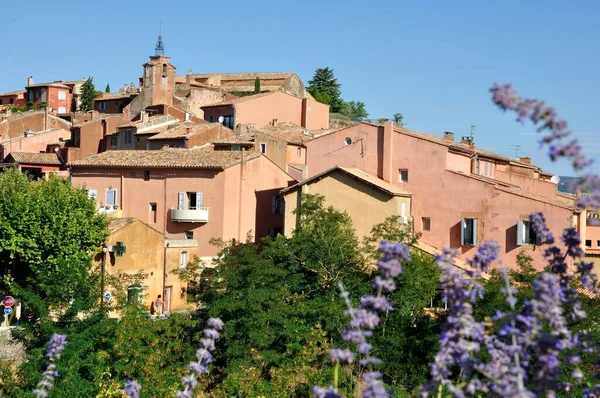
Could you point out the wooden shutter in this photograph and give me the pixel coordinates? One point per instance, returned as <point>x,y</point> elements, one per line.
<point>520,233</point>
<point>199,200</point>
<point>111,197</point>
<point>463,226</point>
<point>475,232</point>
<point>181,201</point>
<point>274,205</point>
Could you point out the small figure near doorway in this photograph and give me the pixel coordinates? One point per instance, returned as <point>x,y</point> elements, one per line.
<point>159,305</point>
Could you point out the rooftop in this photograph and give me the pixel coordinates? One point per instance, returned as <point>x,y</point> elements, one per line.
<point>188,129</point>
<point>12,93</point>
<point>57,85</point>
<point>246,139</point>
<point>33,158</point>
<point>111,96</point>
<point>359,174</point>
<point>198,158</point>
<point>288,132</point>
<point>245,76</point>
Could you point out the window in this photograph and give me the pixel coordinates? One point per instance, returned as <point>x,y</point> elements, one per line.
<point>111,197</point>
<point>62,96</point>
<point>403,175</point>
<point>228,121</point>
<point>188,234</point>
<point>43,97</point>
<point>92,194</point>
<point>62,109</point>
<point>134,294</point>
<point>76,138</point>
<point>1,101</point>
<point>153,212</point>
<point>588,243</point>
<point>468,232</point>
<point>211,119</point>
<point>164,70</point>
<point>183,259</point>
<point>348,141</point>
<point>146,175</point>
<point>426,223</point>
<point>11,101</point>
<point>299,152</point>
<point>102,105</point>
<point>598,243</point>
<point>195,200</point>
<point>128,137</point>
<point>114,140</point>
<point>30,95</point>
<point>274,231</point>
<point>526,234</point>
<point>276,202</point>
<point>438,301</point>
<point>236,148</point>
<point>262,148</point>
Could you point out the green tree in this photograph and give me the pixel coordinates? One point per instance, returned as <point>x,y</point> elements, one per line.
<point>398,118</point>
<point>49,232</point>
<point>355,110</point>
<point>107,89</point>
<point>324,81</point>
<point>257,85</point>
<point>88,93</point>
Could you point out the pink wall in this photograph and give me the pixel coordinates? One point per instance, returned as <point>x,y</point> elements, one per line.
<point>458,162</point>
<point>443,196</point>
<point>36,143</point>
<point>541,187</point>
<point>315,115</point>
<point>221,194</point>
<point>262,110</point>
<point>593,234</point>
<point>292,152</point>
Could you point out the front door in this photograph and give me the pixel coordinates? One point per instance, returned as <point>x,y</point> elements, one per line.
<point>167,300</point>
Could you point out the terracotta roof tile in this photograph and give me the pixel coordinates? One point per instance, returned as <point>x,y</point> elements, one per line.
<point>247,139</point>
<point>200,158</point>
<point>188,129</point>
<point>288,132</point>
<point>35,158</point>
<point>115,224</point>
<point>57,85</point>
<point>13,93</point>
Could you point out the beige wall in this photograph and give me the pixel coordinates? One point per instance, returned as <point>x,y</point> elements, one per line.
<point>276,149</point>
<point>365,204</point>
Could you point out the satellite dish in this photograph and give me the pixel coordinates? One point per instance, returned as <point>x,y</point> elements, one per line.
<point>221,119</point>
<point>555,179</point>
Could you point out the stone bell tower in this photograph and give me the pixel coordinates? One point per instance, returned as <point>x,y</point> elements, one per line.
<point>158,80</point>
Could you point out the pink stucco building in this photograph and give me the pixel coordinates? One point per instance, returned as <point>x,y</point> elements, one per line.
<point>34,142</point>
<point>461,195</point>
<point>195,194</point>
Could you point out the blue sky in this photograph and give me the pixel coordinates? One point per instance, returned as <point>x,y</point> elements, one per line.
<point>433,61</point>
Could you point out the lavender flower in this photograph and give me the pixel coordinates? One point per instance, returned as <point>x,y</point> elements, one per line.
<point>538,224</point>
<point>56,345</point>
<point>204,357</point>
<point>366,318</point>
<point>131,388</point>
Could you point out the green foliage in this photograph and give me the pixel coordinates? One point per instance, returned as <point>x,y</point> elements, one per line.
<point>355,110</point>
<point>398,118</point>
<point>257,85</point>
<point>49,232</point>
<point>325,82</point>
<point>88,93</point>
<point>107,89</point>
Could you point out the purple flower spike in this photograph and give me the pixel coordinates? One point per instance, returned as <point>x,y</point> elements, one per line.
<point>131,388</point>
<point>56,345</point>
<point>341,356</point>
<point>319,392</point>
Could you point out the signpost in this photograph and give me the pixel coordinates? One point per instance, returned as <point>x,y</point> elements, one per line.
<point>8,301</point>
<point>8,310</point>
<point>18,313</point>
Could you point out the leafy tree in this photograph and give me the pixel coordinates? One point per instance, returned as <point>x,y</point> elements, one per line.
<point>323,98</point>
<point>398,118</point>
<point>355,110</point>
<point>257,85</point>
<point>107,89</point>
<point>49,232</point>
<point>325,82</point>
<point>88,93</point>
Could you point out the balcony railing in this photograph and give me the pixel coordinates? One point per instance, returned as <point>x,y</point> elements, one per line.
<point>190,215</point>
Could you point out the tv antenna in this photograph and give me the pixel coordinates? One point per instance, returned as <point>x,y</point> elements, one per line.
<point>473,127</point>
<point>516,148</point>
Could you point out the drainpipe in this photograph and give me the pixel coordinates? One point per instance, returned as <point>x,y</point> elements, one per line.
<point>104,250</point>
<point>164,284</point>
<point>240,198</point>
<point>477,163</point>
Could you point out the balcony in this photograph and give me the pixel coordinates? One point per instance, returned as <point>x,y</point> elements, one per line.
<point>190,215</point>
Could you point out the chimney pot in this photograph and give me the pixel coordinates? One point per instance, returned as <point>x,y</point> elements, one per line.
<point>449,136</point>
<point>525,159</point>
<point>30,81</point>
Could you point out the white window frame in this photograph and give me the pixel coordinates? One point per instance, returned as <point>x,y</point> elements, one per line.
<point>106,197</point>
<point>262,148</point>
<point>464,241</point>
<point>62,95</point>
<point>184,259</point>
<point>92,194</point>
<point>400,179</point>
<point>62,109</point>
<point>525,232</point>
<point>102,105</point>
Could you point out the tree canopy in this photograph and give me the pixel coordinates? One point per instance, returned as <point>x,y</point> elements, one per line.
<point>88,93</point>
<point>325,88</point>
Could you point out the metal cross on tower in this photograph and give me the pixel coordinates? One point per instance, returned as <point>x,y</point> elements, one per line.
<point>160,48</point>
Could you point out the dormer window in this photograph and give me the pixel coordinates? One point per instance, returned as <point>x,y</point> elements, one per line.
<point>164,70</point>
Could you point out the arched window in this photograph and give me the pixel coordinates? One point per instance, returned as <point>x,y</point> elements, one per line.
<point>134,294</point>
<point>164,70</point>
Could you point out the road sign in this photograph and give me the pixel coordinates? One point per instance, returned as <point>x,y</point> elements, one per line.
<point>107,297</point>
<point>8,301</point>
<point>7,310</point>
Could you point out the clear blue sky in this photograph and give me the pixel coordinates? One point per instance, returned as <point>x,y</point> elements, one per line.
<point>433,61</point>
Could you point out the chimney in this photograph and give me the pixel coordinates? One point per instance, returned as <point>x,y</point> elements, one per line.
<point>388,149</point>
<point>274,122</point>
<point>449,136</point>
<point>30,81</point>
<point>187,116</point>
<point>525,159</point>
<point>467,141</point>
<point>144,116</point>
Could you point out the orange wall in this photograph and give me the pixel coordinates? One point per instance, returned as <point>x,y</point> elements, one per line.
<point>593,234</point>
<point>315,115</point>
<point>262,110</point>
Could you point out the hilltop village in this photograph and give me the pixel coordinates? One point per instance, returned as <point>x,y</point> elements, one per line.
<point>177,160</point>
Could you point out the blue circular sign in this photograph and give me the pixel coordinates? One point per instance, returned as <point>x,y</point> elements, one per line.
<point>107,296</point>
<point>8,310</point>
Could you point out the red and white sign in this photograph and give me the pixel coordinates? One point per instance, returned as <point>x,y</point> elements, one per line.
<point>8,301</point>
